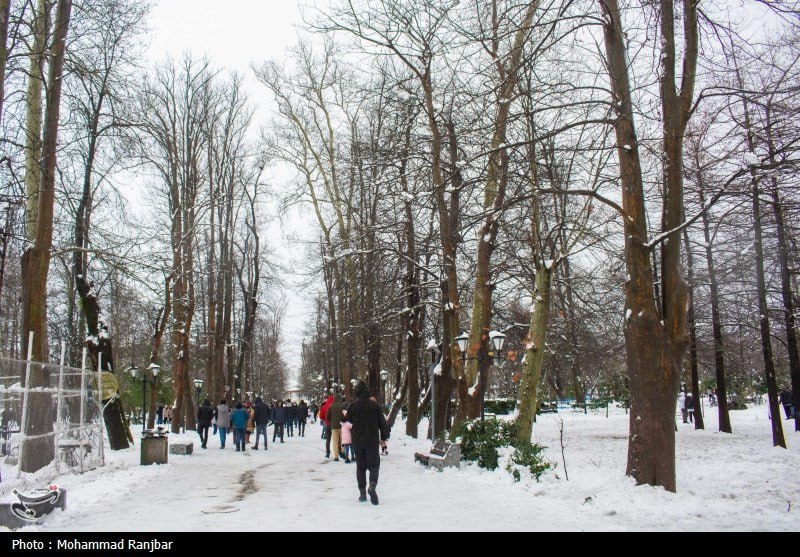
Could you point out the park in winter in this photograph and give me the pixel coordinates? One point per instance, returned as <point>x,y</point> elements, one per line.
<point>498,265</point>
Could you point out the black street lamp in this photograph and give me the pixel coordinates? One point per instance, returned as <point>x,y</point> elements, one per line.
<point>198,389</point>
<point>497,339</point>
<point>149,376</point>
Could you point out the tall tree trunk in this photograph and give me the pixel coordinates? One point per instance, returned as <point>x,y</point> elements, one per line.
<point>763,321</point>
<point>33,116</point>
<point>38,449</point>
<point>472,387</point>
<point>763,317</point>
<point>653,351</point>
<point>716,322</point>
<point>698,411</point>
<point>534,353</point>
<point>159,327</point>
<point>789,320</point>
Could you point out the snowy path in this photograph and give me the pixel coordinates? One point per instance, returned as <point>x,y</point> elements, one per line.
<point>726,482</point>
<point>290,487</point>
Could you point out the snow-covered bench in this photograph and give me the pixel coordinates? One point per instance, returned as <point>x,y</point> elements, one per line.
<point>443,454</point>
<point>181,448</point>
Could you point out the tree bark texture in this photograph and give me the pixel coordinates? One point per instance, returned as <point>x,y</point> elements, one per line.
<point>38,450</point>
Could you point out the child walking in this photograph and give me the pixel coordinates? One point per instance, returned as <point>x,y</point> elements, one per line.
<point>347,438</point>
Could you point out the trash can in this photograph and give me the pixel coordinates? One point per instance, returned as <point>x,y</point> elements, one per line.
<point>155,448</point>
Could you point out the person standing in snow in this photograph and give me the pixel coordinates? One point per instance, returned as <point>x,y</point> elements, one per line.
<point>313,409</point>
<point>690,407</point>
<point>302,416</point>
<point>370,431</point>
<point>290,416</point>
<point>204,416</point>
<point>326,425</point>
<point>347,439</point>
<point>223,417</point>
<point>335,419</point>
<point>261,415</point>
<point>251,425</point>
<point>168,414</point>
<point>278,418</point>
<point>239,418</point>
<point>682,404</point>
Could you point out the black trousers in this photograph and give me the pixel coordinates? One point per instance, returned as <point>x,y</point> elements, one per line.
<point>277,431</point>
<point>301,427</point>
<point>203,431</point>
<point>367,458</point>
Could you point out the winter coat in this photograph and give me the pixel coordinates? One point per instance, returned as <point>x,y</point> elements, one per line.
<point>689,402</point>
<point>302,411</point>
<point>279,415</point>
<point>204,415</point>
<point>262,413</point>
<point>323,412</point>
<point>786,397</point>
<point>682,400</point>
<point>347,433</point>
<point>369,423</point>
<point>335,414</point>
<point>239,418</point>
<point>223,415</point>
<point>290,413</point>
<point>251,425</point>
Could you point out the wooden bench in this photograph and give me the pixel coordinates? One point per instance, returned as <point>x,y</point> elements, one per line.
<point>442,455</point>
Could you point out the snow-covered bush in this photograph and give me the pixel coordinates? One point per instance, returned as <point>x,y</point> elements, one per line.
<point>482,442</point>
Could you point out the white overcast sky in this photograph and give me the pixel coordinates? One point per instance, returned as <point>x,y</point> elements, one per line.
<point>233,34</point>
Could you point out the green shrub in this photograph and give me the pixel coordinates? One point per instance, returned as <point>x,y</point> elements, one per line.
<point>528,455</point>
<point>500,405</point>
<point>482,440</point>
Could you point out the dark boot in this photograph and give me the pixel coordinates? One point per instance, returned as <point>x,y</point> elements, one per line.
<point>373,496</point>
<point>362,495</point>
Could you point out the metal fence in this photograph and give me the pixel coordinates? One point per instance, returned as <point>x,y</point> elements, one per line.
<point>68,398</point>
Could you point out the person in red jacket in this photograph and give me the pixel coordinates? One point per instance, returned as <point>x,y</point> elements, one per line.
<point>326,432</point>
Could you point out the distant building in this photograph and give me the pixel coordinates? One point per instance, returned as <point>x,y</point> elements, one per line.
<point>295,395</point>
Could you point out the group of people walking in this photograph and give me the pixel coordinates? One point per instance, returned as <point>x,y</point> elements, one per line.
<point>353,432</point>
<point>244,419</point>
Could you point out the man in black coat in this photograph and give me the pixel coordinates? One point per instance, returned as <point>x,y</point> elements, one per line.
<point>370,432</point>
<point>302,416</point>
<point>261,415</point>
<point>204,416</point>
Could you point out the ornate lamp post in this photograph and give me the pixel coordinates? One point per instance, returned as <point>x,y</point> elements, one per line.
<point>498,340</point>
<point>198,389</point>
<point>149,376</point>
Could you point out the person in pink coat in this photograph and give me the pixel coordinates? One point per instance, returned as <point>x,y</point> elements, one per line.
<point>347,438</point>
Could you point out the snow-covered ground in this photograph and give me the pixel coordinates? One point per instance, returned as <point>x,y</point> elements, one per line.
<point>736,482</point>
